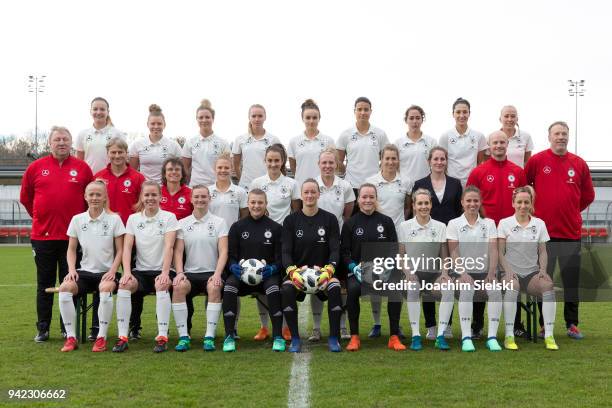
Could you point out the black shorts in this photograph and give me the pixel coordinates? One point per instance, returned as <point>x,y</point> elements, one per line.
<point>245,290</point>
<point>89,282</point>
<point>198,282</point>
<point>146,280</point>
<point>524,281</point>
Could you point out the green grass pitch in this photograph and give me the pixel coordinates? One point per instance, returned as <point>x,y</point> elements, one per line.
<point>577,375</point>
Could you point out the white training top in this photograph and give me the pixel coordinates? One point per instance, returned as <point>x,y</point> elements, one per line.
<point>279,194</point>
<point>227,204</point>
<point>93,143</point>
<point>413,156</point>
<point>462,152</point>
<point>425,241</point>
<point>306,151</point>
<point>334,198</point>
<point>522,243</point>
<point>148,235</point>
<point>201,238</point>
<point>253,152</point>
<point>392,195</point>
<point>362,153</point>
<point>152,155</point>
<point>473,239</point>
<point>518,144</point>
<point>203,151</point>
<point>97,239</point>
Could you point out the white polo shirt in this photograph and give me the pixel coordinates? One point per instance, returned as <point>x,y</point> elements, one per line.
<point>462,151</point>
<point>201,238</point>
<point>97,239</point>
<point>392,195</point>
<point>279,194</point>
<point>522,243</point>
<point>518,144</point>
<point>334,198</point>
<point>93,143</point>
<point>413,155</point>
<point>306,152</point>
<point>473,239</point>
<point>203,151</point>
<point>227,204</point>
<point>152,155</point>
<point>425,241</point>
<point>253,152</point>
<point>362,153</point>
<point>148,235</point>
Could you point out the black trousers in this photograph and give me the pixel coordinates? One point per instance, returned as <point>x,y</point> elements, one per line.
<point>394,309</point>
<point>568,253</point>
<point>51,268</point>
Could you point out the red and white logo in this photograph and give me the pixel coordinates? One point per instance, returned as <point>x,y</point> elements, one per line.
<point>511,178</point>
<point>164,200</point>
<point>45,172</point>
<point>181,200</point>
<point>127,183</point>
<point>73,173</point>
<point>547,170</point>
<point>490,178</point>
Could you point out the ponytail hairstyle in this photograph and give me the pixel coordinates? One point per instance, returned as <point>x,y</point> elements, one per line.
<point>474,189</point>
<point>224,156</point>
<point>206,105</point>
<point>280,149</point>
<point>101,183</point>
<point>438,149</point>
<point>310,104</point>
<point>460,101</point>
<point>139,206</point>
<point>256,105</point>
<point>525,189</point>
<point>155,110</point>
<point>109,122</point>
<point>332,151</point>
<point>364,185</point>
<point>416,108</point>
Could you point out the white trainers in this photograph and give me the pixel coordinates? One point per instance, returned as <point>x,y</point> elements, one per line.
<point>432,333</point>
<point>448,332</point>
<point>344,334</point>
<point>315,336</point>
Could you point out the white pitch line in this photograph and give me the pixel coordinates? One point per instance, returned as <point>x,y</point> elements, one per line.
<point>299,384</point>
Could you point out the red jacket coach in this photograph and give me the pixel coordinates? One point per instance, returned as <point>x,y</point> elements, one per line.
<point>497,178</point>
<point>52,191</point>
<point>564,188</point>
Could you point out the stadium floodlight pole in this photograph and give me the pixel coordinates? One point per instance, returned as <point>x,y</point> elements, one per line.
<point>576,89</point>
<point>36,85</point>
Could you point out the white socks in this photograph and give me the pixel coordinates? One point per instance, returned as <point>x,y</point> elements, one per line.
<point>124,310</point>
<point>445,310</point>
<point>180,318</point>
<point>510,298</point>
<point>466,309</point>
<point>317,310</point>
<point>494,309</point>
<point>414,310</point>
<point>162,308</point>
<point>212,317</point>
<point>375,301</point>
<point>105,312</point>
<point>68,312</point>
<point>549,308</point>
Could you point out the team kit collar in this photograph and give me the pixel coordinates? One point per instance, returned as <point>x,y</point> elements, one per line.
<point>381,180</point>
<point>100,217</point>
<point>205,218</point>
<point>368,133</point>
<point>410,141</point>
<point>518,225</point>
<point>457,134</point>
<point>305,137</point>
<point>322,186</point>
<point>465,223</point>
<point>153,218</point>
